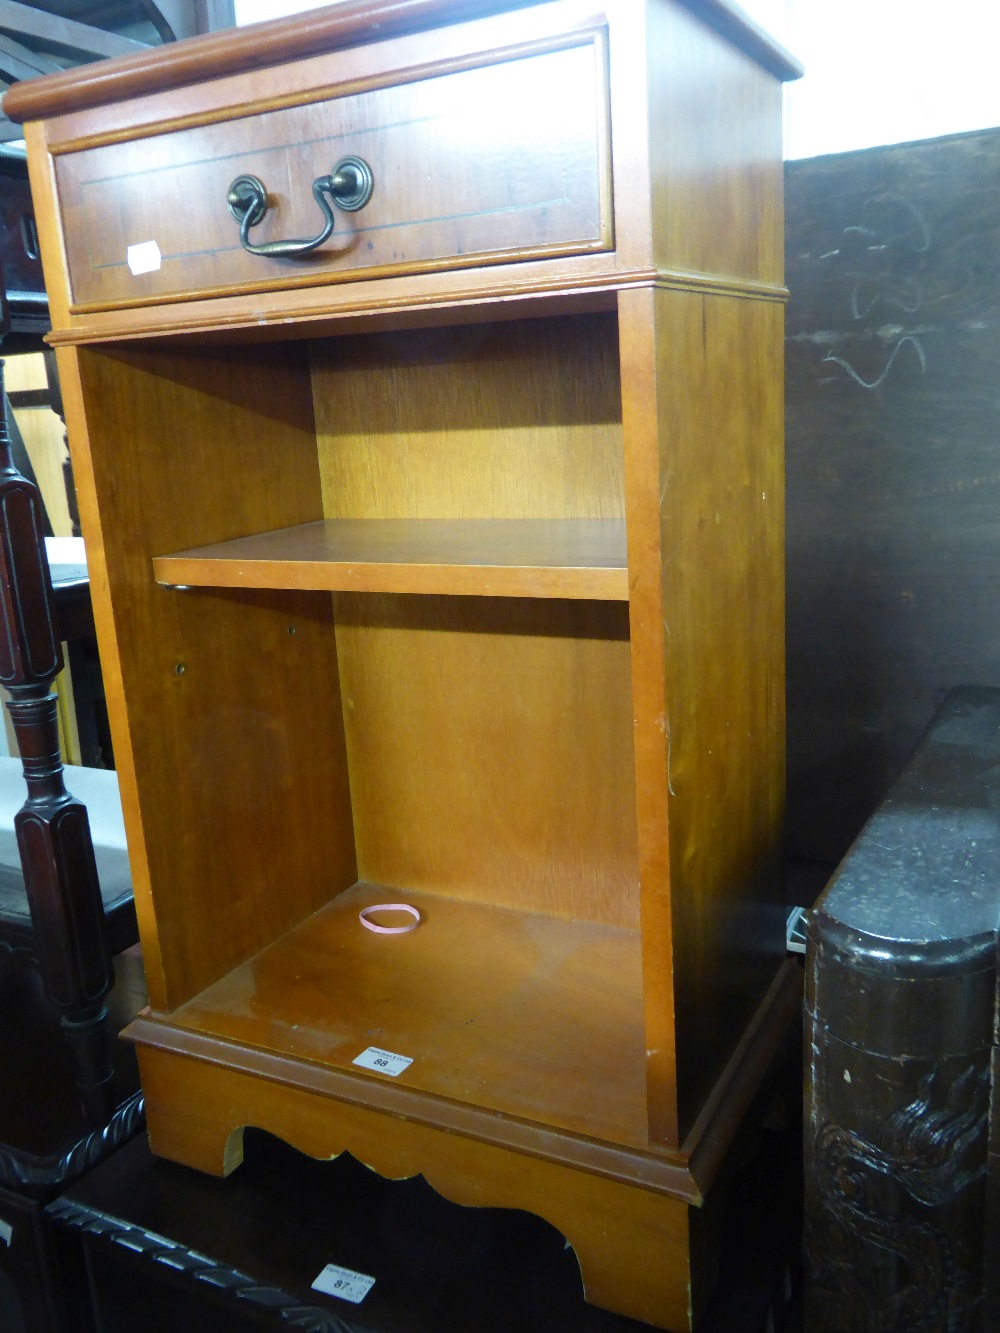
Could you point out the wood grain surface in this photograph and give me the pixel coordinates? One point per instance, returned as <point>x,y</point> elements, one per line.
<point>662,1170</point>
<point>716,184</point>
<point>232,785</point>
<point>529,1015</point>
<point>584,795</point>
<point>195,1113</point>
<point>349,23</point>
<point>479,763</point>
<point>740,181</point>
<point>576,558</point>
<point>724,516</point>
<point>448,192</point>
<point>518,420</point>
<point>489,743</point>
<point>705,504</point>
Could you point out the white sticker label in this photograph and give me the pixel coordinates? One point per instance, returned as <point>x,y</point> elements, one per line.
<point>6,1232</point>
<point>345,1283</point>
<point>143,258</point>
<point>383,1062</point>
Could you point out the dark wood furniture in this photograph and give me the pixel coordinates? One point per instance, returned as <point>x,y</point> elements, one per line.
<point>58,1115</point>
<point>901,1030</point>
<point>47,1142</point>
<point>53,833</point>
<point>166,1248</point>
<point>24,317</point>
<point>97,789</point>
<point>75,614</point>
<point>70,611</point>
<point>521,416</point>
<point>43,36</point>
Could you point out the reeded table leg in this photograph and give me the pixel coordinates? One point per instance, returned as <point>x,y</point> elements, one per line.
<point>53,831</point>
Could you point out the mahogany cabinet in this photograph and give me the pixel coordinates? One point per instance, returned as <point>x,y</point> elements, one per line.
<point>441,563</point>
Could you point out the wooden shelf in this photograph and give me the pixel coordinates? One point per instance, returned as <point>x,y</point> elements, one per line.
<point>528,1015</point>
<point>571,558</point>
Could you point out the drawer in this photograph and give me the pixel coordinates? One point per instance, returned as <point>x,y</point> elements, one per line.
<point>500,161</point>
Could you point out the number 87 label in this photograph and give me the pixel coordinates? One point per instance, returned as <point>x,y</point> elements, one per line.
<point>345,1283</point>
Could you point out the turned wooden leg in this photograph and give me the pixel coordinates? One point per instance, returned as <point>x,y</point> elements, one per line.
<point>53,831</point>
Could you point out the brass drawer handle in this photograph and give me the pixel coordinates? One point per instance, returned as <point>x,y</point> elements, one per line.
<point>349,185</point>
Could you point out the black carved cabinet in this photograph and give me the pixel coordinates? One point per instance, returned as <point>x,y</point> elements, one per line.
<point>901,1040</point>
<point>63,1106</point>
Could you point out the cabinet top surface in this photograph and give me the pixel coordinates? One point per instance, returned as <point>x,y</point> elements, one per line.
<point>344,24</point>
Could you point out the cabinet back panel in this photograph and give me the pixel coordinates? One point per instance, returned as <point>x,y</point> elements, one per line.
<point>511,420</point>
<point>490,750</point>
<point>489,740</point>
<point>231,752</point>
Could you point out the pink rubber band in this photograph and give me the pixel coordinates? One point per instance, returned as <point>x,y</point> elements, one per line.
<point>389,907</point>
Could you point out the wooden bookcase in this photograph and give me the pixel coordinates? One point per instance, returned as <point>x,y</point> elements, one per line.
<point>444,565</point>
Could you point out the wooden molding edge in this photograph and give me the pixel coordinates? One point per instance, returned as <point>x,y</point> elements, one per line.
<point>715,284</point>
<point>350,23</point>
<point>587,248</point>
<point>42,1175</point>
<point>685,1175</point>
<point>231,1284</point>
<point>390,310</point>
<point>256,105</point>
<point>236,51</point>
<point>657,1170</point>
<point>713,1131</point>
<point>730,21</point>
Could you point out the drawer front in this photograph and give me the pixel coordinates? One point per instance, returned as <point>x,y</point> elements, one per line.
<point>503,161</point>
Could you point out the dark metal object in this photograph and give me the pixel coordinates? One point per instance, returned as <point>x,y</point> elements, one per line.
<point>53,831</point>
<point>901,1029</point>
<point>349,185</point>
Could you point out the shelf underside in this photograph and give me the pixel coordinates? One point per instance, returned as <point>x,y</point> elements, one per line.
<point>528,1015</point>
<point>571,558</point>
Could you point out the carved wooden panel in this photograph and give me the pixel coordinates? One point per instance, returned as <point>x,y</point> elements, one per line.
<point>900,1001</point>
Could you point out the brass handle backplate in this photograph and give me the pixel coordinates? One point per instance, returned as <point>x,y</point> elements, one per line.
<point>349,185</point>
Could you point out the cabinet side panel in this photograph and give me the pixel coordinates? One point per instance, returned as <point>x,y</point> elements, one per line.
<point>644,486</point>
<point>715,152</point>
<point>227,724</point>
<point>719,391</point>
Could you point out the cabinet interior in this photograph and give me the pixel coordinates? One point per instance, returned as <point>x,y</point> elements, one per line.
<point>301,752</point>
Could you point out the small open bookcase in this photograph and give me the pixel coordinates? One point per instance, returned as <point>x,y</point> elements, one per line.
<point>444,564</point>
